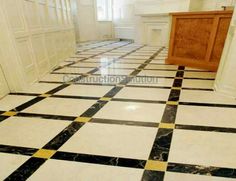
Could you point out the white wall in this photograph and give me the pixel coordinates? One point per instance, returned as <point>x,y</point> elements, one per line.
<point>88,26</point>
<point>38,34</point>
<point>225,80</point>
<point>124,18</point>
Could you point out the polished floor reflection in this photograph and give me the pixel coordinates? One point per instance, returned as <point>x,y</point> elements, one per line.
<point>115,111</point>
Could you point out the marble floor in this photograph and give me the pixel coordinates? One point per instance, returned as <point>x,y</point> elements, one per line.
<point>115,111</point>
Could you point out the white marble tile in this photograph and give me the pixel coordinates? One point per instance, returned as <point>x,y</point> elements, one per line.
<point>203,148</point>
<point>119,65</point>
<point>144,93</point>
<point>142,112</point>
<point>87,64</point>
<point>110,71</point>
<point>205,97</point>
<point>85,90</point>
<point>74,171</point>
<point>169,176</point>
<point>73,70</point>
<point>203,84</point>
<point>158,61</point>
<point>58,77</point>
<point>40,88</point>
<point>112,140</point>
<point>60,106</point>
<point>9,163</point>
<point>206,116</point>
<point>29,132</point>
<point>157,73</point>
<point>131,60</point>
<point>155,66</point>
<point>12,101</point>
<point>103,79</point>
<point>99,60</point>
<point>138,56</point>
<point>142,81</point>
<point>210,75</point>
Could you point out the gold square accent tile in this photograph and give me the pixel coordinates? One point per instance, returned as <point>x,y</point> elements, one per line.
<point>105,99</point>
<point>83,119</point>
<point>167,125</point>
<point>45,95</point>
<point>156,165</point>
<point>43,153</point>
<point>174,103</point>
<point>10,113</point>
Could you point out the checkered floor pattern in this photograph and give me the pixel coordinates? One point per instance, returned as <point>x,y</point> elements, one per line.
<point>115,111</point>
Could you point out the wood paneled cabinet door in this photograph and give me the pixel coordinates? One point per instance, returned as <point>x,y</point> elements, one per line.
<point>197,38</point>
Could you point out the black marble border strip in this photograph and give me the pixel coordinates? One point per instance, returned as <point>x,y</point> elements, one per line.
<point>46,116</point>
<point>101,160</point>
<point>150,175</point>
<point>26,170</point>
<point>139,101</point>
<point>17,150</point>
<point>205,128</point>
<point>63,136</point>
<point>125,122</point>
<point>207,104</point>
<point>162,143</point>
<point>28,104</point>
<point>75,97</point>
<point>202,170</point>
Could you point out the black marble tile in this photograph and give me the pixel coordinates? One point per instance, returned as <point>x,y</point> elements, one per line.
<point>174,95</point>
<point>169,115</point>
<point>149,175</point>
<point>161,146</point>
<point>202,170</point>
<point>136,72</point>
<point>2,118</point>
<point>94,109</point>
<point>26,170</point>
<point>103,160</point>
<point>17,150</point>
<point>47,116</point>
<point>177,83</point>
<point>113,92</point>
<point>28,104</point>
<point>127,123</point>
<point>63,136</point>
<point>206,128</point>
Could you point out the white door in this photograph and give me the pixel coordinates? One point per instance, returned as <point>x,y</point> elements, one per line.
<point>4,90</point>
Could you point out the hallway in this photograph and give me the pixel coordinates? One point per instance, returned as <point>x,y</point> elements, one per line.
<point>116,111</point>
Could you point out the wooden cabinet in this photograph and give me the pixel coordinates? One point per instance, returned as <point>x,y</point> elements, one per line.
<point>197,38</point>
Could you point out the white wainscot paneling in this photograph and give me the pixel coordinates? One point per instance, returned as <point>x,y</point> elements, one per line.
<point>38,44</point>
<point>125,32</point>
<point>154,30</point>
<point>27,61</point>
